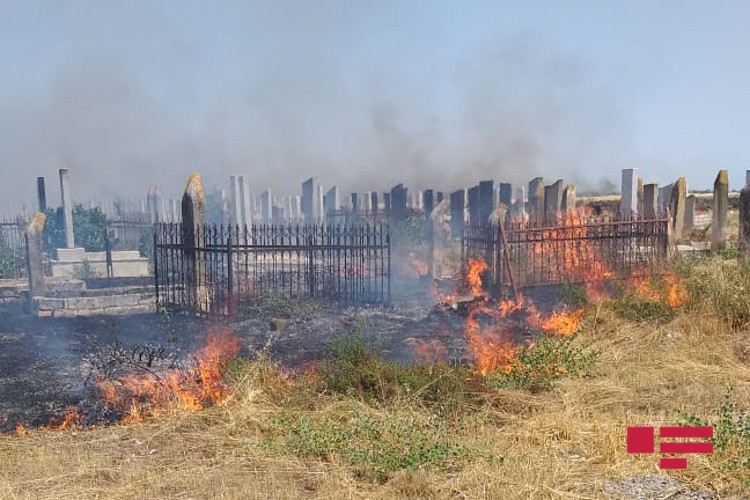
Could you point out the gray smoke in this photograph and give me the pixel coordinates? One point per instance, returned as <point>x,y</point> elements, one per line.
<point>296,95</point>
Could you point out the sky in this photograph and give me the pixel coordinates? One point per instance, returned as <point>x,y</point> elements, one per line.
<point>367,94</point>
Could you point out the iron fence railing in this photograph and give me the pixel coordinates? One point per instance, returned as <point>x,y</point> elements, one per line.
<point>575,249</point>
<point>12,250</point>
<point>215,269</point>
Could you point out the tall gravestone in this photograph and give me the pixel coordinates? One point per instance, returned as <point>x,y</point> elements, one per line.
<point>458,204</point>
<point>640,197</point>
<point>650,201</point>
<point>428,197</point>
<point>719,213</point>
<point>235,200</point>
<point>332,200</point>
<point>266,202</point>
<point>629,194</point>
<point>473,204</point>
<point>34,257</point>
<point>689,213</point>
<point>398,201</point>
<point>245,215</point>
<point>354,197</point>
<point>553,200</point>
<point>387,203</point>
<point>438,197</point>
<point>67,206</point>
<point>41,194</point>
<point>536,200</point>
<point>374,202</point>
<point>193,230</point>
<point>677,208</point>
<point>311,201</point>
<point>505,194</point>
<point>568,199</point>
<point>487,200</point>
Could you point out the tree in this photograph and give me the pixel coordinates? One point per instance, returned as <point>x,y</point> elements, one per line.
<point>89,225</point>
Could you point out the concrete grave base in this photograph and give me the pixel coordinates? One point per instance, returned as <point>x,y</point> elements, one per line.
<point>77,263</point>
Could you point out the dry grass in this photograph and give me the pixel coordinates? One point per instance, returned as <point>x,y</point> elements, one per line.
<point>562,443</point>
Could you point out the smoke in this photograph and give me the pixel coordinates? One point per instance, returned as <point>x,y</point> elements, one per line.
<point>281,92</point>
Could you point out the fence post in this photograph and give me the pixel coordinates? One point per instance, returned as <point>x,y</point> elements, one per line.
<point>311,264</point>
<point>230,277</point>
<point>156,264</point>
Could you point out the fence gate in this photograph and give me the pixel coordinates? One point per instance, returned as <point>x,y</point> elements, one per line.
<point>216,269</point>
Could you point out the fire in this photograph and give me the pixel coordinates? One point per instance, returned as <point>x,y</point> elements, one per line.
<point>71,420</point>
<point>476,267</point>
<point>430,352</point>
<point>677,294</point>
<point>563,323</point>
<point>21,430</point>
<point>193,389</point>
<point>669,288</point>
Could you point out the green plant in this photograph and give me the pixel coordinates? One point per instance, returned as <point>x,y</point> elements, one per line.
<point>634,308</point>
<point>731,434</point>
<point>356,369</point>
<point>89,225</point>
<point>166,322</point>
<point>375,444</point>
<point>537,366</point>
<point>574,295</point>
<point>279,306</point>
<point>12,260</point>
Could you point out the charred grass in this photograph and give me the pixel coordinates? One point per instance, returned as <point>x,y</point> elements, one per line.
<point>356,426</point>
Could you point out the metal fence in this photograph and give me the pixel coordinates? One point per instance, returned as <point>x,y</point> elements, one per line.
<point>12,250</point>
<point>215,269</point>
<point>576,249</point>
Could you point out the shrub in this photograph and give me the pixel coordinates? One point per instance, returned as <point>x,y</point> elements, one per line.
<point>539,365</point>
<point>722,288</point>
<point>89,225</point>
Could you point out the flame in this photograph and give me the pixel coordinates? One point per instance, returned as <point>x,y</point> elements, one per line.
<point>475,268</point>
<point>429,352</point>
<point>564,323</point>
<point>140,395</point>
<point>21,430</point>
<point>669,289</point>
<point>72,420</point>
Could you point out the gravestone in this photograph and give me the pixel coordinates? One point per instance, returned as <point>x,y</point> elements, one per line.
<point>458,204</point>
<point>374,202</point>
<point>473,204</point>
<point>234,200</point>
<point>193,222</point>
<point>266,201</point>
<point>67,206</point>
<point>354,197</point>
<point>568,199</point>
<point>153,200</point>
<point>245,216</point>
<point>428,197</point>
<point>41,194</point>
<point>34,257</point>
<point>640,197</point>
<point>486,201</point>
<point>719,214</point>
<point>650,201</point>
<point>552,201</point>
<point>387,203</point>
<point>505,194</point>
<point>310,201</point>
<point>689,223</point>
<point>677,208</point>
<point>629,194</point>
<point>332,200</point>
<point>536,200</point>
<point>439,197</point>
<point>398,201</point>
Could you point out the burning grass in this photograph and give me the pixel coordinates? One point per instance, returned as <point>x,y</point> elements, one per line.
<point>356,426</point>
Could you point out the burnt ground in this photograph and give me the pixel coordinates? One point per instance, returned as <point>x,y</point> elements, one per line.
<point>45,363</point>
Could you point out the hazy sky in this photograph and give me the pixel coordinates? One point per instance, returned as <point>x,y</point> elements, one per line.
<point>369,94</point>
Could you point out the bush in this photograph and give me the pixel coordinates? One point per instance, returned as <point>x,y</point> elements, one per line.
<point>356,369</point>
<point>89,225</point>
<point>539,365</point>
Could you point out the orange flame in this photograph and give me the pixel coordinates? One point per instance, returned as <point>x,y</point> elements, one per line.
<point>476,267</point>
<point>21,430</point>
<point>430,352</point>
<point>153,393</point>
